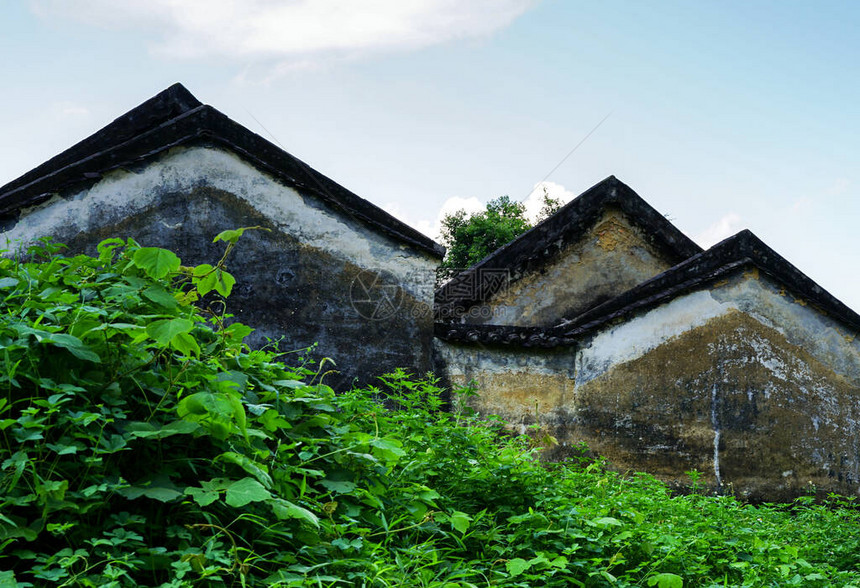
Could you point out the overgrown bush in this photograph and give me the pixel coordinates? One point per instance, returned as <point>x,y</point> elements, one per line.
<point>143,444</point>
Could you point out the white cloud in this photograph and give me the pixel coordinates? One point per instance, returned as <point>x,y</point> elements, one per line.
<point>727,226</point>
<point>534,201</point>
<point>801,205</point>
<point>432,228</point>
<point>289,32</point>
<point>453,204</point>
<point>839,187</point>
<point>70,110</point>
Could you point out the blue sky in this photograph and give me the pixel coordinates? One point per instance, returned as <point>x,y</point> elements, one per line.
<point>722,114</point>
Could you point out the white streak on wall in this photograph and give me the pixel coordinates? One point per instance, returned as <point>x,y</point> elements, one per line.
<point>464,360</point>
<point>802,325</point>
<point>636,337</point>
<point>716,425</point>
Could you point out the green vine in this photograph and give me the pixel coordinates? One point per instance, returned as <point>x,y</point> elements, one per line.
<point>143,443</point>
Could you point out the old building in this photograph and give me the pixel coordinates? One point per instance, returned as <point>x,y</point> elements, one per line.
<point>334,269</point>
<point>604,324</point>
<point>597,246</point>
<point>732,363</point>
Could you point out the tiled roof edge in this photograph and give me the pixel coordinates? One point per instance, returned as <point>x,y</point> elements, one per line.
<point>175,117</point>
<point>498,335</point>
<point>533,248</point>
<point>739,252</point>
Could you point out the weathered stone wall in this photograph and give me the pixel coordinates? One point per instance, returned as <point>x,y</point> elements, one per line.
<point>613,256</point>
<point>525,387</point>
<point>301,281</point>
<point>755,389</point>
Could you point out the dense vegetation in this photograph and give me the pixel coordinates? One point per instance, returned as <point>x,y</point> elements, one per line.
<point>143,444</point>
<point>469,238</point>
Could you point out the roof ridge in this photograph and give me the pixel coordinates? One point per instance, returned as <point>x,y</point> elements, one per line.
<point>534,247</point>
<point>167,104</point>
<point>173,117</point>
<point>743,249</point>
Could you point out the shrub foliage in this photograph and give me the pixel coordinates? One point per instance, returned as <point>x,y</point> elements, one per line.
<point>142,443</point>
<point>472,237</point>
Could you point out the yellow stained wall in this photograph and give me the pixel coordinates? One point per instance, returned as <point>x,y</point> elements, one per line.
<point>755,389</point>
<point>612,257</point>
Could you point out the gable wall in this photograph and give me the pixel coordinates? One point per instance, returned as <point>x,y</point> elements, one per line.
<point>740,381</point>
<point>612,257</point>
<point>301,281</point>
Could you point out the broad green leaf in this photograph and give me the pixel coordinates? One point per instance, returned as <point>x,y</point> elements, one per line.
<point>224,282</point>
<point>666,581</point>
<point>53,489</point>
<point>460,521</point>
<point>207,283</point>
<point>161,494</point>
<point>237,331</point>
<point>216,411</point>
<point>258,470</point>
<point>348,545</point>
<point>163,331</point>
<point>148,430</point>
<point>202,496</point>
<point>213,279</point>
<point>204,269</point>
<point>24,435</point>
<point>271,420</point>
<point>284,509</point>
<point>236,380</point>
<point>245,491</point>
<point>198,404</point>
<point>612,579</point>
<point>239,414</point>
<point>606,522</point>
<point>156,262</point>
<point>8,282</point>
<point>341,487</point>
<point>111,444</point>
<point>106,247</point>
<point>231,235</point>
<point>517,566</point>
<point>185,344</point>
<point>61,449</point>
<point>161,296</point>
<point>293,384</point>
<point>74,345</point>
<point>25,533</point>
<point>388,449</point>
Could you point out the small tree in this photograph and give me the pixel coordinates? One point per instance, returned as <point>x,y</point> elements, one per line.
<point>470,238</point>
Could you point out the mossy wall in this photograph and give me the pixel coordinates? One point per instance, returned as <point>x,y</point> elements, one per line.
<point>752,387</point>
<point>316,276</point>
<point>613,256</point>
